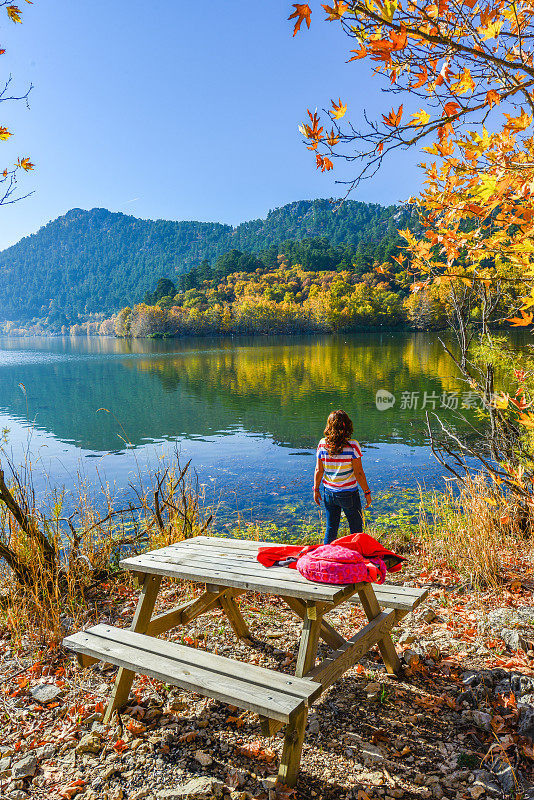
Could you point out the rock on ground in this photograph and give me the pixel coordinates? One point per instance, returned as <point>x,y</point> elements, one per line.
<point>514,626</point>
<point>203,788</point>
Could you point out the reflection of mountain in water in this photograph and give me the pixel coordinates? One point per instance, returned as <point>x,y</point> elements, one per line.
<point>282,388</point>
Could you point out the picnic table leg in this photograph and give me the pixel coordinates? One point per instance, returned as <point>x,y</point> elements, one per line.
<point>385,645</point>
<point>235,617</point>
<point>140,623</point>
<point>328,632</point>
<point>309,640</point>
<point>294,733</point>
<point>293,741</point>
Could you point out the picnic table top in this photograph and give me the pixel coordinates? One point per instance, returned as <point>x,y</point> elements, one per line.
<point>231,562</point>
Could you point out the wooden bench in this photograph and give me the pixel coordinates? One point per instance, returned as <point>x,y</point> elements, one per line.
<point>227,568</point>
<point>271,694</point>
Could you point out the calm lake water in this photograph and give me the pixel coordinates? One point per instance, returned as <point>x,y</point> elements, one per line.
<point>248,413</point>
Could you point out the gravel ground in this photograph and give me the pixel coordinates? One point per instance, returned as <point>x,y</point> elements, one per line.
<point>369,736</point>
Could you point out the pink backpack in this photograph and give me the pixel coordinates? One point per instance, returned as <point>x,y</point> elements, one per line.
<point>333,563</point>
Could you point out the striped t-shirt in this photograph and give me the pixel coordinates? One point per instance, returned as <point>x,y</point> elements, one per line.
<point>338,473</point>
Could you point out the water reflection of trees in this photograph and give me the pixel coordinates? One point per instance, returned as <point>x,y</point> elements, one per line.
<point>279,388</point>
<point>288,389</point>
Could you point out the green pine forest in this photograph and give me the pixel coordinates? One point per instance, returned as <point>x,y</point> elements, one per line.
<point>90,264</point>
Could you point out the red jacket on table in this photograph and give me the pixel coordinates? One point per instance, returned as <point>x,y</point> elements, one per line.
<point>288,555</point>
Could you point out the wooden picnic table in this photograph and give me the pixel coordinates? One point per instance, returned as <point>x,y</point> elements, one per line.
<point>228,568</point>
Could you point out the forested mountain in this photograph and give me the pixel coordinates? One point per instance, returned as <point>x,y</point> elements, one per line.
<point>98,261</point>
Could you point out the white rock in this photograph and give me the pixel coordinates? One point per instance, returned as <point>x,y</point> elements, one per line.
<point>109,771</point>
<point>46,693</point>
<point>371,754</point>
<point>5,764</point>
<point>89,743</point>
<point>203,788</point>
<point>25,767</point>
<point>479,718</point>
<point>203,758</point>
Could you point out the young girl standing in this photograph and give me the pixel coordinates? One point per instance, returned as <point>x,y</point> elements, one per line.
<point>339,468</point>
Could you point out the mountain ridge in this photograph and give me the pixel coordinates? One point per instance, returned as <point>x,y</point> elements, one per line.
<point>97,260</point>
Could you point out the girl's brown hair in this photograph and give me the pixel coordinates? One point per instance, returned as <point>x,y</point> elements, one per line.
<point>338,431</point>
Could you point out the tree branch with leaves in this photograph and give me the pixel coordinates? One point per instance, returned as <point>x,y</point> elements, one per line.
<point>469,66</point>
<point>11,173</point>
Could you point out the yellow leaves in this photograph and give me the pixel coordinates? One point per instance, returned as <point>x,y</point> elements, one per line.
<point>486,187</point>
<point>408,236</point>
<point>416,287</point>
<point>388,9</point>
<point>14,13</point>
<point>384,8</point>
<point>336,11</point>
<point>302,13</point>
<point>4,134</point>
<point>420,118</point>
<point>464,84</point>
<point>438,149</point>
<point>25,163</point>
<point>393,118</point>
<point>500,401</point>
<point>339,109</point>
<point>520,123</point>
<point>522,321</point>
<point>491,31</point>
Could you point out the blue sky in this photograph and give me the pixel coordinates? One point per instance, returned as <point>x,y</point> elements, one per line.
<point>177,110</point>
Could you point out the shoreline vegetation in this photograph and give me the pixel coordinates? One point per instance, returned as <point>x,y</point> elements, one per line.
<point>52,558</point>
<point>286,300</point>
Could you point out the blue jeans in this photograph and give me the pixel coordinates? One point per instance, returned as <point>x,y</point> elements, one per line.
<point>346,501</point>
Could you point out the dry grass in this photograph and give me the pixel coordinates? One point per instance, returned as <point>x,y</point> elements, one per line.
<point>475,533</point>
<point>87,546</point>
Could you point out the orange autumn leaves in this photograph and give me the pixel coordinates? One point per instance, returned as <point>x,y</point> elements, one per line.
<point>302,13</point>
<point>15,15</point>
<point>315,134</point>
<point>403,38</point>
<point>466,72</point>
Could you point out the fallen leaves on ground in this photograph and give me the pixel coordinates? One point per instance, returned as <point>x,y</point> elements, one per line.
<point>256,749</point>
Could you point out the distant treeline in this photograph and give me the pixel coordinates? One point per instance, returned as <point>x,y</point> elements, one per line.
<point>276,292</point>
<point>242,294</point>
